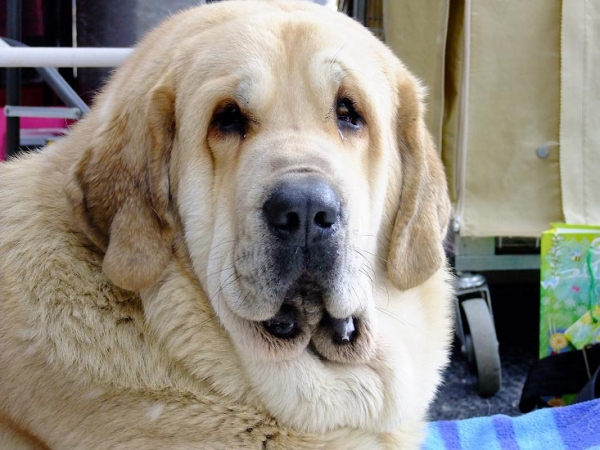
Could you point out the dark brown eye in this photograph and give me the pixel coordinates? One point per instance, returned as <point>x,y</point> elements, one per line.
<point>230,119</point>
<point>346,114</point>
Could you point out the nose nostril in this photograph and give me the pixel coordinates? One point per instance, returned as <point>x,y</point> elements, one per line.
<point>324,219</point>
<point>292,222</point>
<point>281,217</point>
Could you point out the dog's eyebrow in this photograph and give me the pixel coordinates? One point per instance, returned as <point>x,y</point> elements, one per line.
<point>338,71</point>
<point>251,84</point>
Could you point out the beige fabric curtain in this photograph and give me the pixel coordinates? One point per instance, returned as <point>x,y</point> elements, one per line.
<point>513,107</point>
<point>417,31</point>
<point>580,111</point>
<point>496,85</point>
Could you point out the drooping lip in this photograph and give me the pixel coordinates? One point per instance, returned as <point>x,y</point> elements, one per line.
<point>303,310</point>
<point>285,324</point>
<point>344,330</point>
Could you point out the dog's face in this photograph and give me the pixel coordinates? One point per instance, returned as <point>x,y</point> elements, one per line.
<point>298,185</point>
<point>299,126</point>
<point>284,147</point>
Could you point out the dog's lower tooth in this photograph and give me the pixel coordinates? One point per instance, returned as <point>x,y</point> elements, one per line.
<point>343,330</point>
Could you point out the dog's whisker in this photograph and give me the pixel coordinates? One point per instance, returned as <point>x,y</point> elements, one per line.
<point>232,274</point>
<point>225,241</point>
<point>374,284</point>
<point>362,269</point>
<point>389,314</point>
<point>363,289</point>
<point>355,294</point>
<point>383,286</point>
<point>373,254</point>
<point>225,285</point>
<point>366,268</point>
<point>245,297</point>
<point>369,271</point>
<point>396,317</point>
<point>359,251</point>
<point>380,239</point>
<point>227,267</point>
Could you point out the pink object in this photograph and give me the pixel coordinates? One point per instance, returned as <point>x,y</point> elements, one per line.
<point>47,126</point>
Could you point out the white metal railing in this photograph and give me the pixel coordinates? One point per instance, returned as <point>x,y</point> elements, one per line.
<point>62,56</point>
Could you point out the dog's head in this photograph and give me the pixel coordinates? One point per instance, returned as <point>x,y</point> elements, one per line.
<point>285,147</point>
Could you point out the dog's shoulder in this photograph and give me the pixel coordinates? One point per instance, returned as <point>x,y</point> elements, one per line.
<point>38,246</point>
<point>53,293</point>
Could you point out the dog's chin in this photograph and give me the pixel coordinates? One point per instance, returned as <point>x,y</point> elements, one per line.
<point>303,323</point>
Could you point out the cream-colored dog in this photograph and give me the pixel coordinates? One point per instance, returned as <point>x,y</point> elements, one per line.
<point>239,247</point>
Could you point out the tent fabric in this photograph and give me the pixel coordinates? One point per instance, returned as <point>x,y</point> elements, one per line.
<point>421,47</point>
<point>503,99</point>
<point>580,111</point>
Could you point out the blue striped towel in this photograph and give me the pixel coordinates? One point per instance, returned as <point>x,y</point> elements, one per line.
<point>574,427</point>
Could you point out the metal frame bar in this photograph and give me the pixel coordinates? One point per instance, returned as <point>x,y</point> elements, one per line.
<point>55,112</point>
<point>51,76</point>
<point>14,13</point>
<point>359,10</point>
<point>479,254</point>
<point>63,56</point>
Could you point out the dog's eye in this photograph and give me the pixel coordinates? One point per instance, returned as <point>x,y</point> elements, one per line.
<point>230,119</point>
<point>346,114</point>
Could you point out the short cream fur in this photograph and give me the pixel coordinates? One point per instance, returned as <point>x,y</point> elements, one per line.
<point>120,325</point>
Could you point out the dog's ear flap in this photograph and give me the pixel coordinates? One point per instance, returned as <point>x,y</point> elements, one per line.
<point>119,189</point>
<point>416,247</point>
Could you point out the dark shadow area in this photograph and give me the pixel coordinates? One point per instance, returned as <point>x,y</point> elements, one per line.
<point>515,300</point>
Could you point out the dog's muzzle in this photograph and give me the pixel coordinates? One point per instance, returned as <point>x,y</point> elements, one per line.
<point>304,215</point>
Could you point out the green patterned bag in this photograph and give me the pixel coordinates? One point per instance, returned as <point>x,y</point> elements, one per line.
<point>570,289</point>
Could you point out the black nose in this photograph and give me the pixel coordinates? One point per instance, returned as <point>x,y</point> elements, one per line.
<point>303,210</point>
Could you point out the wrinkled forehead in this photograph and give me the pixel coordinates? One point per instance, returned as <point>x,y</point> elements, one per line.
<point>296,54</point>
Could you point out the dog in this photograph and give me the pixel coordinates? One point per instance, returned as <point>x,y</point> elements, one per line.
<point>240,246</point>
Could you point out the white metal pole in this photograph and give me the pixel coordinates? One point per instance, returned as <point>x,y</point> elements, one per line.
<point>62,56</point>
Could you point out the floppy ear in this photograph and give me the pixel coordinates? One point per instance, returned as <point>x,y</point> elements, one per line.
<point>119,189</point>
<point>416,247</point>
